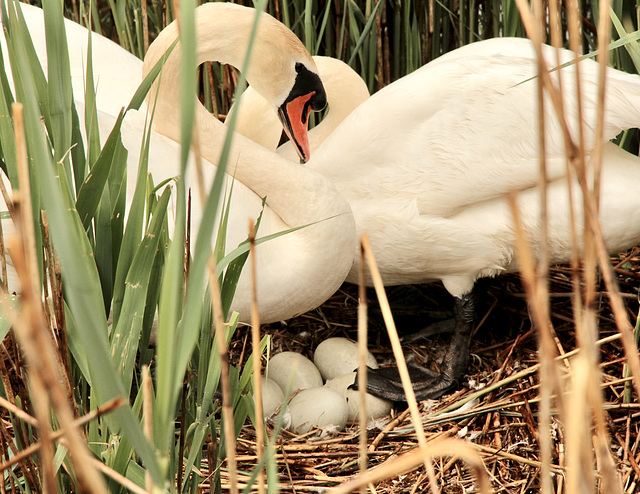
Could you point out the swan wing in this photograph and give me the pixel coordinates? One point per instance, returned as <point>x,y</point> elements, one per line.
<point>463,128</point>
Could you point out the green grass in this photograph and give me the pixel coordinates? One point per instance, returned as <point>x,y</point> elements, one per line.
<point>105,260</point>
<point>382,40</point>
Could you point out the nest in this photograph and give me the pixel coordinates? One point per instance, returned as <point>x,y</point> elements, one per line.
<point>500,424</point>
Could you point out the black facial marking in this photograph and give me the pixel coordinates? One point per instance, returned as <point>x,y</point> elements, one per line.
<point>308,82</point>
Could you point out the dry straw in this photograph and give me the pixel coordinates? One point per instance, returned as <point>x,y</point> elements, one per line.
<point>416,418</point>
<point>362,363</point>
<point>582,406</point>
<point>45,375</point>
<point>421,455</point>
<point>257,359</point>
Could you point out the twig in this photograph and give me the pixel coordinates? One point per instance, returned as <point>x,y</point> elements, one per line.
<point>60,433</point>
<point>410,460</point>
<point>362,365</point>
<point>257,367</point>
<point>399,355</point>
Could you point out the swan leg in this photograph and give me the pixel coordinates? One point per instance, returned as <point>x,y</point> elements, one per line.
<point>411,306</point>
<point>440,327</point>
<point>428,384</point>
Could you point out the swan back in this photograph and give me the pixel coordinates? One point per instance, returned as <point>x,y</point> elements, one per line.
<point>464,129</point>
<point>428,163</point>
<point>114,88</point>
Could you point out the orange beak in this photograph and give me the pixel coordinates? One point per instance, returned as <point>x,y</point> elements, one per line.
<point>294,115</point>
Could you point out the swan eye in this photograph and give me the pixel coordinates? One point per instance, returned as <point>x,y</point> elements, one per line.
<point>299,67</point>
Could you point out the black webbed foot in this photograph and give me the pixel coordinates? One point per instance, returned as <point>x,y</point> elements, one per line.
<point>428,384</point>
<point>386,383</point>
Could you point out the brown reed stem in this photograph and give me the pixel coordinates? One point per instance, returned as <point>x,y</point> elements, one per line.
<point>362,365</point>
<point>57,435</point>
<point>398,354</point>
<point>33,335</point>
<point>223,353</point>
<point>257,367</point>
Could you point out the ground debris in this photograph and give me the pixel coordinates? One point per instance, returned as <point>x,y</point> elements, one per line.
<point>495,411</point>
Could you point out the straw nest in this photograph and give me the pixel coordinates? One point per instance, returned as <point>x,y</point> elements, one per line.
<point>495,411</point>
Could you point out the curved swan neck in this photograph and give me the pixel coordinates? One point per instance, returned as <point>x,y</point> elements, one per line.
<point>345,90</point>
<point>223,32</point>
<point>215,36</point>
<point>222,35</point>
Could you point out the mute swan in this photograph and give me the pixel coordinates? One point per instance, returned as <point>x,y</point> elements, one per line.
<point>298,271</point>
<point>427,164</point>
<point>345,91</point>
<point>295,272</point>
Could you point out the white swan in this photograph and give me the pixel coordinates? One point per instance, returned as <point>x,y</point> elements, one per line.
<point>443,161</point>
<point>345,91</point>
<point>427,164</point>
<point>298,271</point>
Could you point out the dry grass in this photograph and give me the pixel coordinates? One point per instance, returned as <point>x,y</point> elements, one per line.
<point>501,424</point>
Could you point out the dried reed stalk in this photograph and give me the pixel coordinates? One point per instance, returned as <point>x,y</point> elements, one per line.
<point>56,435</point>
<point>399,356</point>
<point>548,375</point>
<point>257,367</point>
<point>586,399</point>
<point>145,27</point>
<point>591,217</point>
<point>3,260</point>
<point>223,354</point>
<point>409,461</point>
<point>18,412</point>
<point>121,479</point>
<point>31,331</point>
<point>362,365</point>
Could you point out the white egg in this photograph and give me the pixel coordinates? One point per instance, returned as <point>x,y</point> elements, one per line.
<point>317,407</point>
<point>272,396</point>
<point>337,356</point>
<point>376,407</point>
<point>293,371</point>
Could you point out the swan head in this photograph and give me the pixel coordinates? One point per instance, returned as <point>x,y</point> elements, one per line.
<point>285,74</point>
<point>281,69</point>
<point>306,95</point>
